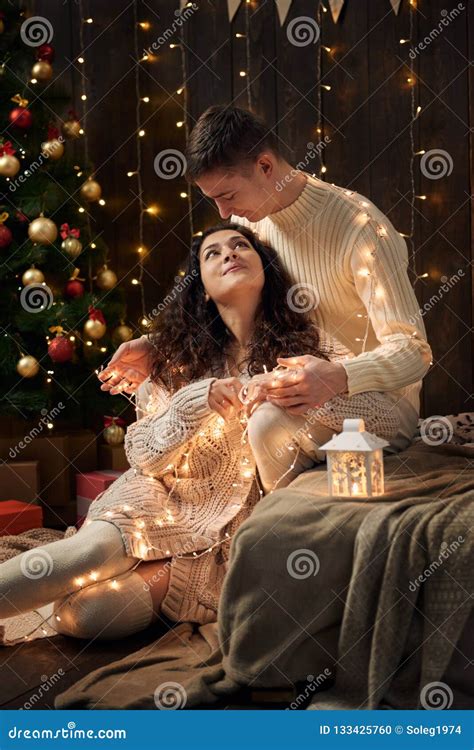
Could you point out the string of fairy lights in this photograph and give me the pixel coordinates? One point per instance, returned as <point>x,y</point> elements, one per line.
<point>180,471</point>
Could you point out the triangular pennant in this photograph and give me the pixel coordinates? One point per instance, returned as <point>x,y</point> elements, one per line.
<point>232,8</point>
<point>283,6</point>
<point>336,7</point>
<point>396,5</point>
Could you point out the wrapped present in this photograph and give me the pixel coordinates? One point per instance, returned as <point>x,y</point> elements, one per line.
<point>113,457</point>
<point>19,479</point>
<point>17,516</point>
<point>88,486</point>
<point>60,456</point>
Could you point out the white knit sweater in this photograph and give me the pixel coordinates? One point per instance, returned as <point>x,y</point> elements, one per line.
<point>325,241</point>
<point>179,435</point>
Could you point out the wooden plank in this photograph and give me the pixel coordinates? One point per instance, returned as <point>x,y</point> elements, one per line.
<point>445,222</point>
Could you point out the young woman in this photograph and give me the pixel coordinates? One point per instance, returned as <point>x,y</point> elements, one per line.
<point>157,541</point>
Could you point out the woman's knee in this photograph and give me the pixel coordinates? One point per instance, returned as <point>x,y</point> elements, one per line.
<point>106,610</point>
<point>267,424</point>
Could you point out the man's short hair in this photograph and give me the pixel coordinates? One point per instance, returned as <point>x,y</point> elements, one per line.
<point>227,136</point>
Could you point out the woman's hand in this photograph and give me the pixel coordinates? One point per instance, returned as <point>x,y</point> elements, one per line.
<point>224,397</point>
<point>129,367</point>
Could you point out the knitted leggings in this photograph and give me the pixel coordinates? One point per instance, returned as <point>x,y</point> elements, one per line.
<point>88,576</point>
<point>279,439</point>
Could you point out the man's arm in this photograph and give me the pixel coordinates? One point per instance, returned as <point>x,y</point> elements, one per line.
<point>404,355</point>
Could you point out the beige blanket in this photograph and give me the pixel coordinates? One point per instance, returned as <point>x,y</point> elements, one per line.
<point>360,614</point>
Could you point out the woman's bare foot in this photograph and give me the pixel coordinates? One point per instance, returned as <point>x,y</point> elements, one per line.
<point>156,574</point>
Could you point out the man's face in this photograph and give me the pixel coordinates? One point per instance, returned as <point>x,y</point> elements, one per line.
<point>247,192</point>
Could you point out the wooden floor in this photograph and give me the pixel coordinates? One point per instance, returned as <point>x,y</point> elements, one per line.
<point>28,667</point>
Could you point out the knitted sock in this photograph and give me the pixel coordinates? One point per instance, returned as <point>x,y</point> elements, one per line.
<point>46,573</point>
<point>110,609</point>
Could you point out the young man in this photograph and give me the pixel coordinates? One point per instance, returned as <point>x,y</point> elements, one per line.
<point>348,262</point>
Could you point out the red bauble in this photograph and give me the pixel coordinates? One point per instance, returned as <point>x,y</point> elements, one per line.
<point>21,118</point>
<point>61,349</point>
<point>45,52</point>
<point>5,236</point>
<point>74,289</point>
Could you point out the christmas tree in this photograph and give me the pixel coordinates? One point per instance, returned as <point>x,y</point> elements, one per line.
<point>62,312</point>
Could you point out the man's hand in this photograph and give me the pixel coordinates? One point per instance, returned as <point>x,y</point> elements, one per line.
<point>129,367</point>
<point>309,382</point>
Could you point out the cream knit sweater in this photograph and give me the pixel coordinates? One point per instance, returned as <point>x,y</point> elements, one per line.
<point>179,437</point>
<point>325,239</point>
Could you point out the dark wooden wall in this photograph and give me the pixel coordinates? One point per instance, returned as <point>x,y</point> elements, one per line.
<point>366,115</point>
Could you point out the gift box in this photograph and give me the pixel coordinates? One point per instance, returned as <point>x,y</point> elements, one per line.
<point>17,516</point>
<point>88,486</point>
<point>60,456</point>
<point>19,479</point>
<point>113,457</point>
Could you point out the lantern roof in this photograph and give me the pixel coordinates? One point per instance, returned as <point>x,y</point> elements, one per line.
<point>354,438</point>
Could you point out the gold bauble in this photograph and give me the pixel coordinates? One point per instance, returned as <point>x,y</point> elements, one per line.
<point>43,231</point>
<point>53,149</point>
<point>32,276</point>
<point>94,329</point>
<point>42,70</point>
<point>106,279</point>
<point>71,128</point>
<point>72,246</point>
<point>91,191</point>
<point>114,434</point>
<point>9,165</point>
<point>122,333</point>
<point>27,366</point>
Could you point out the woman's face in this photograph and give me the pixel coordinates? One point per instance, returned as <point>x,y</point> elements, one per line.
<point>230,267</point>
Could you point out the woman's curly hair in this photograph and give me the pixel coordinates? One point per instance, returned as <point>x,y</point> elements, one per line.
<point>189,335</point>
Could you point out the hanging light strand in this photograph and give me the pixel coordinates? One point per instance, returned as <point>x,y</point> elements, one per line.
<point>185,119</point>
<point>138,174</point>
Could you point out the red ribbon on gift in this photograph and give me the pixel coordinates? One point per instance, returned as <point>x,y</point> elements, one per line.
<point>95,314</point>
<point>66,231</point>
<point>6,148</point>
<point>114,420</point>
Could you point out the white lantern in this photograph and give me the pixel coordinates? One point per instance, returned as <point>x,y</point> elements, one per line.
<point>355,461</point>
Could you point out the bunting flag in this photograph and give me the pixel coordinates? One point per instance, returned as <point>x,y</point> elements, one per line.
<point>336,7</point>
<point>283,8</point>
<point>232,8</point>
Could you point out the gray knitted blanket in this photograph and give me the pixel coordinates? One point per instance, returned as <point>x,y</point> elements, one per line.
<point>362,603</point>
